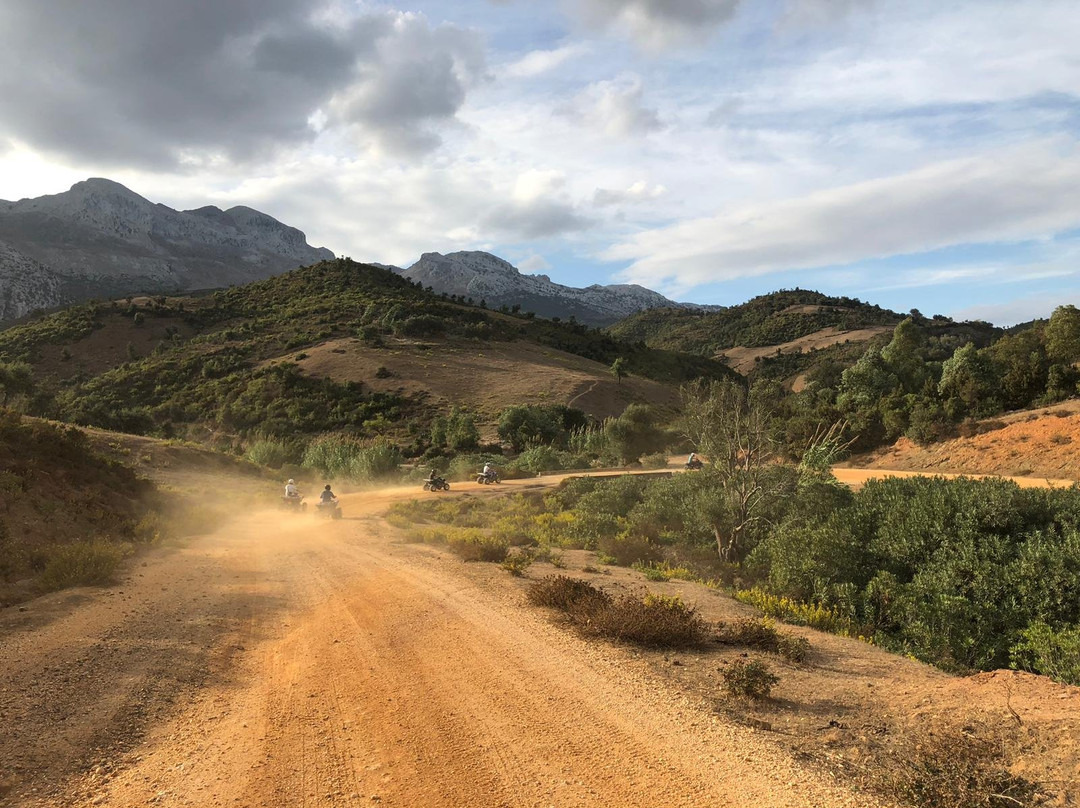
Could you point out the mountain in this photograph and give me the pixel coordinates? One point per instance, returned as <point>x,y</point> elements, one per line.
<point>482,276</point>
<point>100,239</point>
<point>26,285</point>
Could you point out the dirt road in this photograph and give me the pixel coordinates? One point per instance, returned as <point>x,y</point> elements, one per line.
<point>290,661</point>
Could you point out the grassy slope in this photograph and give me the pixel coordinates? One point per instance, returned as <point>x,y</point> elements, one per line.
<point>211,368</point>
<point>55,490</point>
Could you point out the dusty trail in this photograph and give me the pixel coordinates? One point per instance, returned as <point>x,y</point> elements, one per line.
<point>294,662</point>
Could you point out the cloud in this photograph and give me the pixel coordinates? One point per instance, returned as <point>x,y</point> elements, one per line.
<point>534,263</point>
<point>640,191</point>
<point>1011,195</point>
<point>537,62</point>
<point>614,108</point>
<point>656,24</point>
<point>159,83</point>
<point>537,219</point>
<point>1020,310</point>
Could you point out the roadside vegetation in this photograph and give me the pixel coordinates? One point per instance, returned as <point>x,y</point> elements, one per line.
<point>67,516</point>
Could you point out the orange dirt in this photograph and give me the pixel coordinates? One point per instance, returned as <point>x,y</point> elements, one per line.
<point>743,359</point>
<point>300,662</point>
<point>485,376</point>
<point>1037,444</point>
<point>292,661</point>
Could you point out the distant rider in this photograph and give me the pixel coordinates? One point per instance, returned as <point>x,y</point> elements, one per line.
<point>692,459</point>
<point>432,477</point>
<point>291,491</point>
<point>489,471</point>
<point>327,497</point>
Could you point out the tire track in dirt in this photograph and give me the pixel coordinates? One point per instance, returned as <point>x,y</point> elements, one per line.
<point>337,667</point>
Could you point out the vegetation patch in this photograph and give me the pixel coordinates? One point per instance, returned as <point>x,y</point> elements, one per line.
<point>749,679</point>
<point>947,767</point>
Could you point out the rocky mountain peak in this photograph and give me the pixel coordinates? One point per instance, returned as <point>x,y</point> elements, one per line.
<point>483,276</point>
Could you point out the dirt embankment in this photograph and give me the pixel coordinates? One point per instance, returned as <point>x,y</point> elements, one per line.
<point>1038,444</point>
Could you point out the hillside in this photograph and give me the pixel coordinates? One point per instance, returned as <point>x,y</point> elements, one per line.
<point>99,239</point>
<point>57,492</point>
<point>256,359</point>
<point>1039,443</point>
<point>482,276</point>
<point>767,320</point>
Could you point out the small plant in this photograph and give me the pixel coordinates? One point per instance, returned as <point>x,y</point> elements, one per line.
<point>517,563</point>
<point>749,679</point>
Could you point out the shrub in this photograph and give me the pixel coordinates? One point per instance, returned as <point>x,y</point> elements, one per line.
<point>567,594</point>
<point>517,563</point>
<point>1052,653</point>
<point>749,679</point>
<point>948,767</point>
<point>81,564</point>
<point>654,621</point>
<point>473,545</point>
<point>344,456</point>
<point>272,453</point>
<point>628,550</point>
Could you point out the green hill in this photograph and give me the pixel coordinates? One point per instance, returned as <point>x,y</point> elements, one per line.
<point>230,364</point>
<point>766,320</point>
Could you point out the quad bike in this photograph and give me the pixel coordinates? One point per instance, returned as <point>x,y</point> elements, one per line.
<point>295,504</point>
<point>437,484</point>
<point>329,510</point>
<point>487,479</point>
<point>694,465</point>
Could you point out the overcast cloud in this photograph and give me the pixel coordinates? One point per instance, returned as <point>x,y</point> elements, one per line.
<point>161,83</point>
<point>924,154</point>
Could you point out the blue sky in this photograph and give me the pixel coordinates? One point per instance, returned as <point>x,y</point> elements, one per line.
<point>916,154</point>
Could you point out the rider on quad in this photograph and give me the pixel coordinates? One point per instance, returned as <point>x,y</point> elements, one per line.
<point>327,498</point>
<point>693,461</point>
<point>489,471</point>
<point>291,491</point>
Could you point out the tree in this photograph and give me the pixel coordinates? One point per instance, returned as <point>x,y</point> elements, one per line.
<point>968,383</point>
<point>618,369</point>
<point>1063,335</point>
<point>732,428</point>
<point>904,355</point>
<point>16,378</point>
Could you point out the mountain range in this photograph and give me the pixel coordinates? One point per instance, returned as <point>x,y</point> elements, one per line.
<point>488,278</point>
<point>100,239</point>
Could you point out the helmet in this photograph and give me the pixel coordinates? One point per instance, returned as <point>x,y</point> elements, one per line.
<point>292,482</point>
<point>328,486</point>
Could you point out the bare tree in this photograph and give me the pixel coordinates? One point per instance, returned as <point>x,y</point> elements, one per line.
<point>730,427</point>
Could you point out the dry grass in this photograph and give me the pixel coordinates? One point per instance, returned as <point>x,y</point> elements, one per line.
<point>949,767</point>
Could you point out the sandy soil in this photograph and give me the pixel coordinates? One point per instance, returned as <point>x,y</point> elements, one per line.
<point>286,660</point>
<point>487,377</point>
<point>743,359</point>
<point>292,661</point>
<point>1036,444</point>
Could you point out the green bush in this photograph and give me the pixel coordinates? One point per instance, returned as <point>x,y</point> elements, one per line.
<point>474,545</point>
<point>81,564</point>
<point>1053,653</point>
<point>341,456</point>
<point>272,452</point>
<point>749,678</point>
